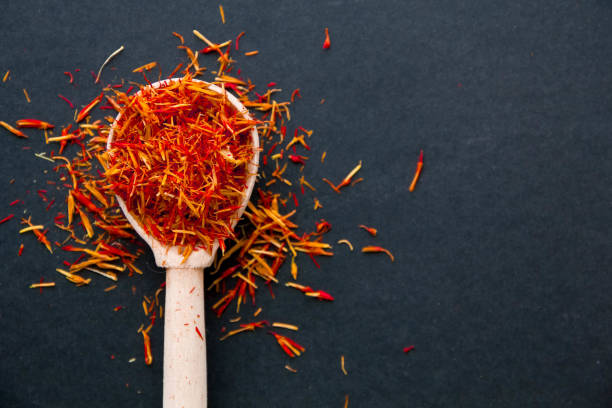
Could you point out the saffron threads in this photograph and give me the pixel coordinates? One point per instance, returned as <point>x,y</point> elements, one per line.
<point>62,97</point>
<point>417,172</point>
<point>238,40</point>
<point>199,334</point>
<point>110,57</point>
<point>34,123</point>
<point>377,249</point>
<point>346,242</point>
<point>370,230</point>
<point>327,42</point>
<point>346,181</point>
<point>145,67</point>
<point>6,76</point>
<point>308,291</point>
<point>295,94</point>
<point>42,285</point>
<point>342,365</point>
<point>222,13</point>
<point>251,53</point>
<point>289,368</point>
<point>20,250</point>
<point>25,92</point>
<point>5,219</point>
<point>408,349</point>
<point>14,131</point>
<point>179,161</point>
<point>290,347</point>
<point>147,348</point>
<point>70,76</point>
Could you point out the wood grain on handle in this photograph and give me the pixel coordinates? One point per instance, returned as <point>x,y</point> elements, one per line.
<point>184,349</point>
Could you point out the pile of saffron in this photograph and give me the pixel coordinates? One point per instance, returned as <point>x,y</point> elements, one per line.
<point>179,160</point>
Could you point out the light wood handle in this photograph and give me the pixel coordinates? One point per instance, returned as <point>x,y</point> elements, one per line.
<point>184,349</point>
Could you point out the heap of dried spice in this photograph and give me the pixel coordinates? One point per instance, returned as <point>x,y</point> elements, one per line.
<point>179,160</point>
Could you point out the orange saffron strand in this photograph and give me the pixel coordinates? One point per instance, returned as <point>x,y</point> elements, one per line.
<point>251,53</point>
<point>25,92</point>
<point>417,173</point>
<point>14,131</point>
<point>374,249</point>
<point>85,111</point>
<point>327,42</point>
<point>146,67</point>
<point>34,123</point>
<point>147,348</point>
<point>6,76</point>
<point>370,230</point>
<point>222,14</point>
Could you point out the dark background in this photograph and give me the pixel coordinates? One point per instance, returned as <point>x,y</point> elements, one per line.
<point>502,274</point>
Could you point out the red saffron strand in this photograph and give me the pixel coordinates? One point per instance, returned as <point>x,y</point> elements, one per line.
<point>5,219</point>
<point>417,173</point>
<point>66,100</point>
<point>327,42</point>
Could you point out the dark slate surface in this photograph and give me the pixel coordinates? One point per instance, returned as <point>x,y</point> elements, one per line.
<point>502,274</point>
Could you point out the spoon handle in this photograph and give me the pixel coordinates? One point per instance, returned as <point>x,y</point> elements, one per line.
<point>184,342</point>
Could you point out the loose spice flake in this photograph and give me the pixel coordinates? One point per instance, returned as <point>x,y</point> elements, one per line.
<point>417,172</point>
<point>308,291</point>
<point>25,92</point>
<point>289,368</point>
<point>222,14</point>
<point>62,97</point>
<point>112,287</point>
<point>346,242</point>
<point>70,76</point>
<point>408,349</point>
<point>14,131</point>
<point>342,365</point>
<point>145,67</point>
<point>34,123</point>
<point>290,347</point>
<point>346,401</point>
<point>251,53</point>
<point>377,249</point>
<point>370,230</point>
<point>6,76</point>
<point>20,250</point>
<point>199,334</point>
<point>110,57</point>
<point>285,326</point>
<point>327,42</point>
<point>42,285</point>
<point>5,219</point>
<point>147,348</point>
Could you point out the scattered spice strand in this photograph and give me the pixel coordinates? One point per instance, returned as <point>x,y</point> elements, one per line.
<point>20,250</point>
<point>408,349</point>
<point>289,368</point>
<point>290,347</point>
<point>34,123</point>
<point>147,348</point>
<point>308,291</point>
<point>251,53</point>
<point>6,76</point>
<point>376,249</point>
<point>5,219</point>
<point>110,57</point>
<point>346,401</point>
<point>222,14</point>
<point>370,230</point>
<point>327,42</point>
<point>285,326</point>
<point>42,285</point>
<point>342,365</point>
<point>417,173</point>
<point>62,97</point>
<point>14,131</point>
<point>25,92</point>
<point>145,67</point>
<point>346,242</point>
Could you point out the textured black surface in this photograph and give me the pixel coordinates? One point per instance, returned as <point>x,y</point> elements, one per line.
<point>502,273</point>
